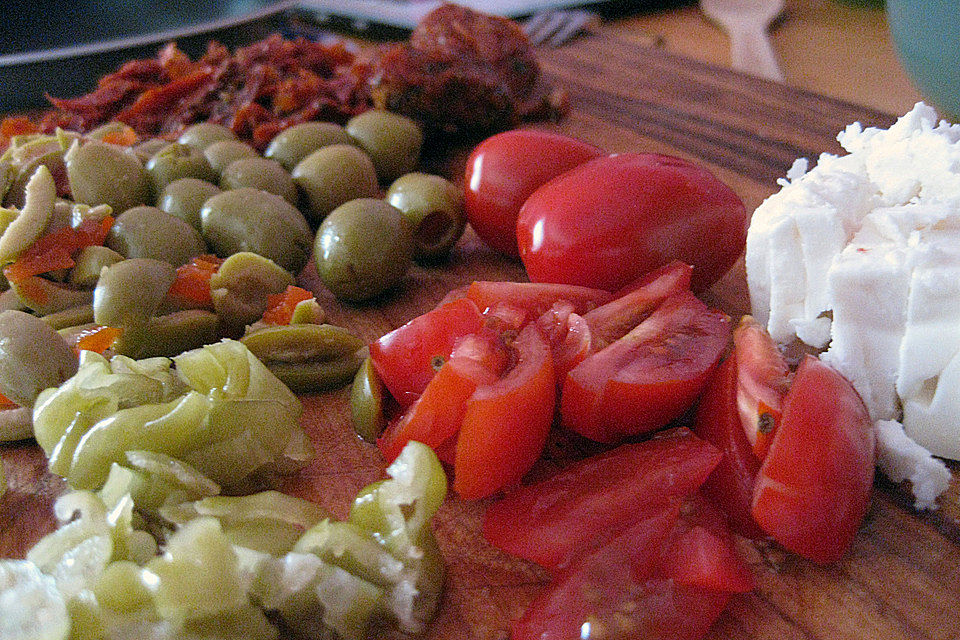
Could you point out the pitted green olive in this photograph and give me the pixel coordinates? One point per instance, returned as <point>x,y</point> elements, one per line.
<point>366,403</point>
<point>148,232</point>
<point>301,342</point>
<point>260,173</point>
<point>252,220</point>
<point>292,145</point>
<point>433,207</point>
<point>221,154</point>
<point>177,161</point>
<point>43,296</point>
<point>334,175</point>
<point>204,134</point>
<point>168,335</point>
<point>184,198</point>
<point>105,174</point>
<point>240,287</point>
<point>33,357</point>
<point>88,264</point>
<point>315,376</point>
<point>71,317</point>
<point>147,149</point>
<point>393,141</point>
<point>130,292</point>
<point>362,249</point>
<point>29,225</point>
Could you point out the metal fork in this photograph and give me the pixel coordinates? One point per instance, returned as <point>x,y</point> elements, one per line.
<point>554,28</point>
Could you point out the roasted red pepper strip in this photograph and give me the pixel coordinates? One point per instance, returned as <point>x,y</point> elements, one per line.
<point>56,250</point>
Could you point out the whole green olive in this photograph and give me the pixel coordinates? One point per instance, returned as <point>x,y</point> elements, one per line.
<point>177,161</point>
<point>148,232</point>
<point>147,149</point>
<point>248,219</point>
<point>33,357</point>
<point>363,249</point>
<point>204,134</point>
<point>292,145</point>
<point>433,207</point>
<point>130,292</point>
<point>334,175</point>
<point>184,198</point>
<point>105,174</point>
<point>393,141</point>
<point>260,173</point>
<point>221,154</point>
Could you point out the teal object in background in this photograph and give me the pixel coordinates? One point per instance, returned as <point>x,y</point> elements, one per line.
<point>926,34</point>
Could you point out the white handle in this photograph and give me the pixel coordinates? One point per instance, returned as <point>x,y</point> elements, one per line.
<point>751,52</point>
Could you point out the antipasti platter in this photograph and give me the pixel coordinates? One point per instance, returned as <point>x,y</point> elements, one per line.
<point>901,577</point>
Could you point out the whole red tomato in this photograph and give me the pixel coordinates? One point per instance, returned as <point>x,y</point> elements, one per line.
<point>610,220</point>
<point>505,169</point>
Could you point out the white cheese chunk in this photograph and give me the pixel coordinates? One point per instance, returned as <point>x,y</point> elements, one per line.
<point>860,256</point>
<point>903,459</point>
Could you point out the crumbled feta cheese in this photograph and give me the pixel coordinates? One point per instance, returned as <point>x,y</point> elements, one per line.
<point>861,255</point>
<point>903,459</point>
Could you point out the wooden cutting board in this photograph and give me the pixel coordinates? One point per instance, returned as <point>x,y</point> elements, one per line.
<point>901,579</point>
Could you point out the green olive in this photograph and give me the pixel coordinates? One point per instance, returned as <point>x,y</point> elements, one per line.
<point>105,174</point>
<point>26,228</point>
<point>71,317</point>
<point>221,154</point>
<point>240,288</point>
<point>148,232</point>
<point>315,376</point>
<point>334,175</point>
<point>393,141</point>
<point>292,145</point>
<point>252,220</point>
<point>433,208</point>
<point>204,134</point>
<point>33,357</point>
<point>366,403</point>
<point>177,161</point>
<point>168,335</point>
<point>301,342</point>
<point>89,262</point>
<point>147,149</point>
<point>44,296</point>
<point>130,292</point>
<point>362,249</point>
<point>184,198</point>
<point>260,173</point>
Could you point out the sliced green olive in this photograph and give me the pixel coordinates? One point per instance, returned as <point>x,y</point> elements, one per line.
<point>26,228</point>
<point>45,297</point>
<point>168,335</point>
<point>70,317</point>
<point>366,402</point>
<point>33,357</point>
<point>240,287</point>
<point>130,292</point>
<point>319,376</point>
<point>301,343</point>
<point>90,262</point>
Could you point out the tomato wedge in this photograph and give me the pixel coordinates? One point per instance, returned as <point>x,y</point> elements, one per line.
<point>505,424</point>
<point>407,358</point>
<point>762,383</point>
<point>536,297</point>
<point>718,422</point>
<point>555,520</point>
<point>813,488</point>
<point>569,336</point>
<point>648,377</point>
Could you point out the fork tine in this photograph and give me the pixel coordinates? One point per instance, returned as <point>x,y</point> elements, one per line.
<point>552,21</point>
<point>576,22</point>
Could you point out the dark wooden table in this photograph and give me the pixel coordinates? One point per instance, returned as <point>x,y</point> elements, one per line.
<point>901,579</point>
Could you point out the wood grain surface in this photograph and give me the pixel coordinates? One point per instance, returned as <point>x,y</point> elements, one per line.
<point>901,580</point>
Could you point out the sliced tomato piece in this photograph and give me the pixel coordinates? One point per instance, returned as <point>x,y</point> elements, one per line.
<point>407,358</point>
<point>648,377</point>
<point>569,337</point>
<point>552,521</point>
<point>718,422</point>
<point>436,416</point>
<point>505,424</point>
<point>619,591</point>
<point>763,378</point>
<point>634,304</point>
<point>701,551</point>
<point>814,486</point>
<point>536,297</point>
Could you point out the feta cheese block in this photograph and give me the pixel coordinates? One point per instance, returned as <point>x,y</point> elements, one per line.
<point>859,257</point>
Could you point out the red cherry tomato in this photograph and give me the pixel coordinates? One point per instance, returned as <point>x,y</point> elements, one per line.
<point>610,220</point>
<point>813,488</point>
<point>407,358</point>
<point>762,383</point>
<point>718,422</point>
<point>649,376</point>
<point>555,520</point>
<point>534,297</point>
<point>505,169</point>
